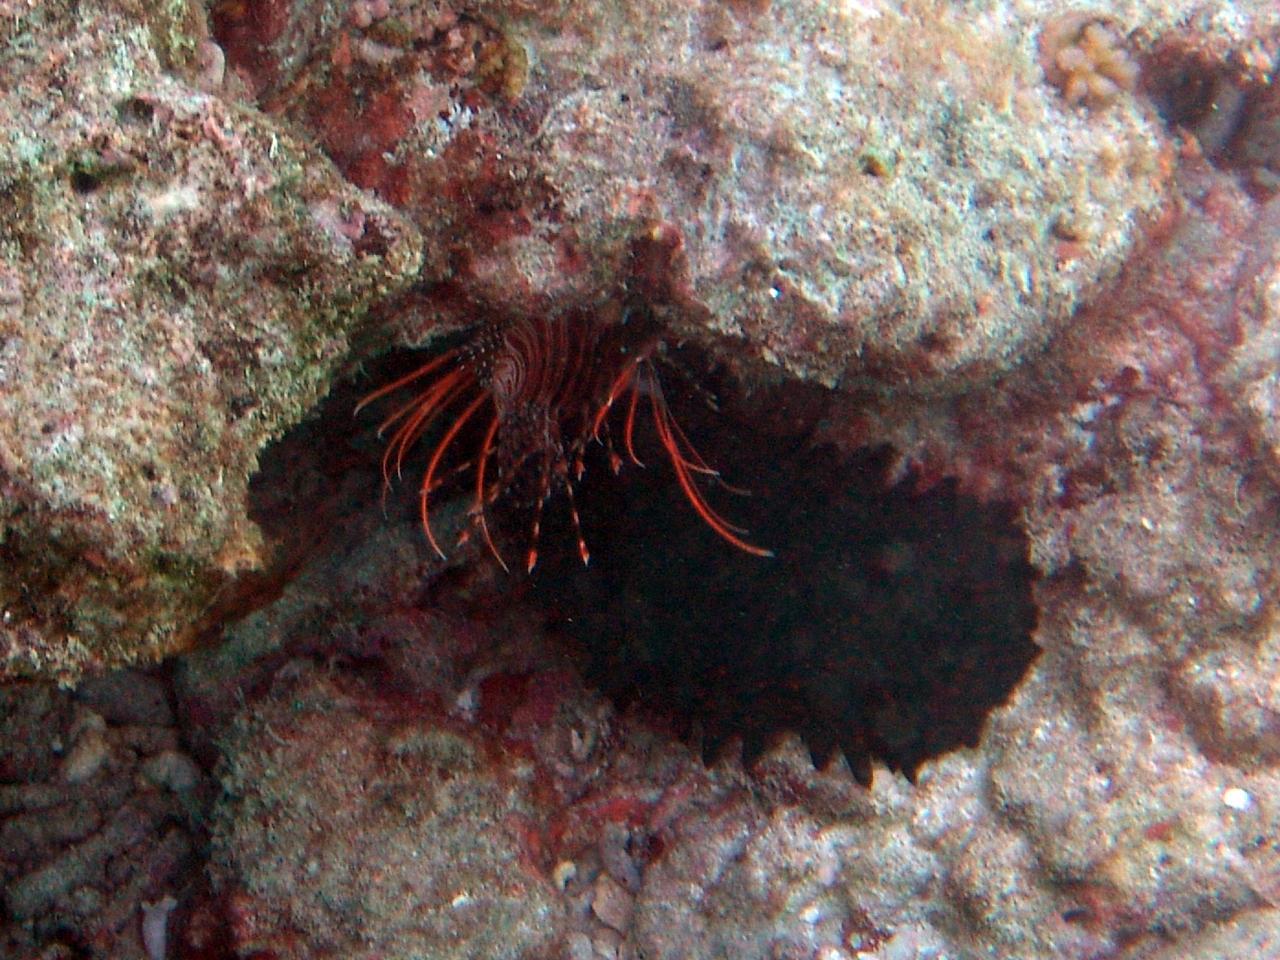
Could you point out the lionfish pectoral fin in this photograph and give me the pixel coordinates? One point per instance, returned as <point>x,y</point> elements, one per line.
<point>486,447</point>
<point>583,552</point>
<point>418,415</point>
<point>671,438</point>
<point>624,381</point>
<point>736,491</point>
<point>428,478</point>
<point>427,368</point>
<point>694,459</point>
<point>628,429</point>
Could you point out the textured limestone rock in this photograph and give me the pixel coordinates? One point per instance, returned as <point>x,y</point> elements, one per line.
<point>872,192</point>
<point>177,280</point>
<point>435,865</point>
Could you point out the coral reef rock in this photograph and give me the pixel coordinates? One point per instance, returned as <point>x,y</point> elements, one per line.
<point>845,190</point>
<point>99,813</point>
<point>1038,291</point>
<point>178,277</point>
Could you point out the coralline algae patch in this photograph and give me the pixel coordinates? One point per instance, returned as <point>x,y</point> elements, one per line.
<point>855,190</point>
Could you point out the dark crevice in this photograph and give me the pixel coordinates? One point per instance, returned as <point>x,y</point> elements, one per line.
<point>1225,101</point>
<point>888,624</point>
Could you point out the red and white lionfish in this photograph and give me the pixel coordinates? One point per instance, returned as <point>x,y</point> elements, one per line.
<point>546,385</point>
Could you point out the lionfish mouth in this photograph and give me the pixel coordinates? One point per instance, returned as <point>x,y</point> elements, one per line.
<point>544,390</point>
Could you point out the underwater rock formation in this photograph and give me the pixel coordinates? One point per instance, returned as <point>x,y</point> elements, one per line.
<point>178,278</point>
<point>1116,804</point>
<point>412,760</point>
<point>99,815</point>
<point>846,191</point>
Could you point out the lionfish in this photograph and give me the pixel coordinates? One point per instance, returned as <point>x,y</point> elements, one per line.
<point>543,388</point>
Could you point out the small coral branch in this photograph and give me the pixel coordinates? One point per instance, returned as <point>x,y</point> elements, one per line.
<point>1085,58</point>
